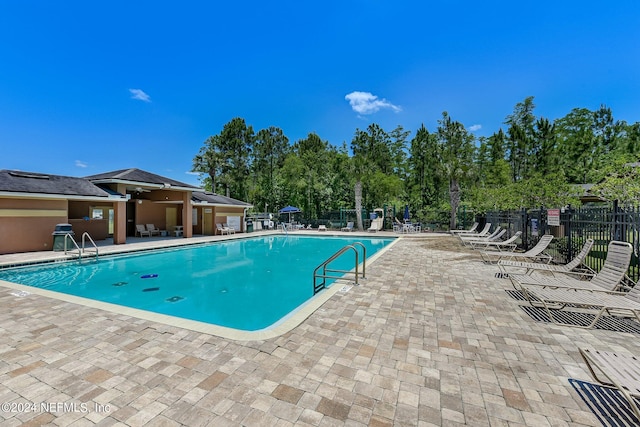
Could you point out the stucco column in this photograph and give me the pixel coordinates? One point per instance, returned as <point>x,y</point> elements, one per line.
<point>187,214</point>
<point>120,222</point>
<point>120,218</point>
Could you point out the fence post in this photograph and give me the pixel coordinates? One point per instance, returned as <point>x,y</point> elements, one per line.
<point>616,221</point>
<point>525,228</point>
<point>568,233</point>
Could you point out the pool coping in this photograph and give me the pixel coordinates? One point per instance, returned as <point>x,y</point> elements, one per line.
<point>282,326</point>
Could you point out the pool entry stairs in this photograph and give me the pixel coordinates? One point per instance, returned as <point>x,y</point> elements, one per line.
<point>322,272</point>
<point>80,250</point>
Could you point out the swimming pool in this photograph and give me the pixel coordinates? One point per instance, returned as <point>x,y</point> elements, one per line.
<point>247,284</point>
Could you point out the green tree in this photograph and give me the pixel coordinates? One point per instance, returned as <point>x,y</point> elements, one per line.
<point>209,161</point>
<point>456,151</point>
<point>270,150</point>
<point>544,150</point>
<point>425,172</point>
<point>577,145</point>
<point>520,139</point>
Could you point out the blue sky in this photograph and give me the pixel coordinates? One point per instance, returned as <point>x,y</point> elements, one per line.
<point>90,87</point>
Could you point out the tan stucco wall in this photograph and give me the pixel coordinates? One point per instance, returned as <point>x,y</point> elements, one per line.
<point>26,224</point>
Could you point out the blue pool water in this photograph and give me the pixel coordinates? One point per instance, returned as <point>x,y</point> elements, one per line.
<point>246,284</point>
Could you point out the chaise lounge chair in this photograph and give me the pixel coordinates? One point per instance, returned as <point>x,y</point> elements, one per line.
<point>483,233</point>
<point>496,235</point>
<point>575,266</point>
<point>594,301</point>
<point>612,276</point>
<point>322,227</point>
<point>501,245</point>
<point>618,371</point>
<point>473,229</point>
<point>141,231</point>
<point>349,227</point>
<point>534,254</point>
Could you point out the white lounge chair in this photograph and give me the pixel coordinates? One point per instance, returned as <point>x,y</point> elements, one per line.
<point>322,227</point>
<point>536,253</point>
<point>594,301</point>
<point>483,233</point>
<point>576,266</point>
<point>473,229</point>
<point>502,245</point>
<point>612,276</point>
<point>497,234</point>
<point>349,227</point>
<point>619,371</point>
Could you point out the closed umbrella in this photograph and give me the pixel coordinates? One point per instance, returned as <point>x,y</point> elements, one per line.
<point>406,213</point>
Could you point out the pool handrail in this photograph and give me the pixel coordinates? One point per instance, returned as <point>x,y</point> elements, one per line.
<point>318,287</point>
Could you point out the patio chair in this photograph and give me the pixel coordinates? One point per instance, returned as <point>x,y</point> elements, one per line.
<point>230,229</point>
<point>576,266</point>
<point>473,229</point>
<point>536,253</point>
<point>618,371</point>
<point>598,302</point>
<point>349,227</point>
<point>322,227</point>
<point>151,228</point>
<point>612,276</point>
<point>141,231</point>
<point>222,229</point>
<point>501,245</point>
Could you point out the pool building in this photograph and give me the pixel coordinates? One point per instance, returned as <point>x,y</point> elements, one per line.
<point>105,205</point>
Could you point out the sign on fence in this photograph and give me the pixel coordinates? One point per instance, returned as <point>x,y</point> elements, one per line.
<point>553,217</point>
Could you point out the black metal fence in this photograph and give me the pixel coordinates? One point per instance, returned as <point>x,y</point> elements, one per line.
<point>601,223</point>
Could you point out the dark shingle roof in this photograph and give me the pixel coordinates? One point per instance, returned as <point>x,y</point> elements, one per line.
<point>137,175</point>
<point>213,198</point>
<point>28,182</point>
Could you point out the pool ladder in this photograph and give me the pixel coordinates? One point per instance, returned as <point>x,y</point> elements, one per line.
<point>318,286</point>
<point>83,249</point>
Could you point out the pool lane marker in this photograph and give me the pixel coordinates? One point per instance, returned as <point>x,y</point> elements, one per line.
<point>149,276</point>
<point>150,289</point>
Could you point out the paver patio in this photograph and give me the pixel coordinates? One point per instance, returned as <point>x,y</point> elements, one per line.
<point>430,338</point>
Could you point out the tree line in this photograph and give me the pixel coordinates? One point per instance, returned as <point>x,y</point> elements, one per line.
<point>532,162</point>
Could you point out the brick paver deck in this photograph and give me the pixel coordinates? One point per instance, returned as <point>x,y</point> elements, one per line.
<point>430,338</point>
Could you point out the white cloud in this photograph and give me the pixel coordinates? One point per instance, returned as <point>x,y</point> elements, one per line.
<point>81,164</point>
<point>474,128</point>
<point>193,173</point>
<point>140,95</point>
<point>368,103</point>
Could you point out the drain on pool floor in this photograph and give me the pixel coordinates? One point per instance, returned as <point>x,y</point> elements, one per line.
<point>174,299</point>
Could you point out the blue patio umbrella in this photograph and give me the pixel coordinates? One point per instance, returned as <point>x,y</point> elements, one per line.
<point>289,210</point>
<point>406,213</point>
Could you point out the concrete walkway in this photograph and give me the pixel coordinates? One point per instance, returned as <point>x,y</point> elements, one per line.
<point>430,338</point>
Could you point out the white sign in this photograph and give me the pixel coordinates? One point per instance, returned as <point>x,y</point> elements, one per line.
<point>553,217</point>
<point>234,221</point>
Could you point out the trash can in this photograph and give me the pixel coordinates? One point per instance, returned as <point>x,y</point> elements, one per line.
<point>249,226</point>
<point>58,234</point>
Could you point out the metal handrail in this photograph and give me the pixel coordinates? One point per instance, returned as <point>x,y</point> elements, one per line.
<point>318,287</point>
<point>95,247</point>
<point>69,236</point>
